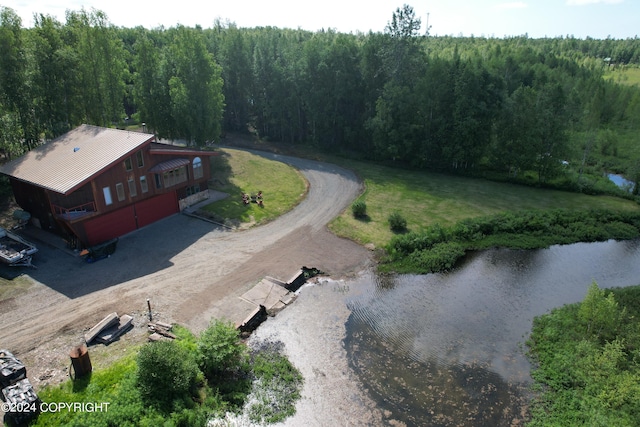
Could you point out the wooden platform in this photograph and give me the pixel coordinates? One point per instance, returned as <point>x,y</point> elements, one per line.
<point>269,293</point>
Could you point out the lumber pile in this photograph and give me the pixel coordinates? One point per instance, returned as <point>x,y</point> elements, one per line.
<point>108,329</point>
<point>160,331</point>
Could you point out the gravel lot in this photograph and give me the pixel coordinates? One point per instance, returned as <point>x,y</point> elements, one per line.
<point>191,270</point>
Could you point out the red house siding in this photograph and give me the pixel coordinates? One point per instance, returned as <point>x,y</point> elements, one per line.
<point>151,210</point>
<point>108,226</point>
<point>129,218</point>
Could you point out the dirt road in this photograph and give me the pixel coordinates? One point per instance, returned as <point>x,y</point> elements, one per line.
<point>191,270</point>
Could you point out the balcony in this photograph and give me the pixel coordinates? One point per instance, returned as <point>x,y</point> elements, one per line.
<point>74,213</point>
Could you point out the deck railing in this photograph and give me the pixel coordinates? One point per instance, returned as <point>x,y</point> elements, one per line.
<point>76,210</point>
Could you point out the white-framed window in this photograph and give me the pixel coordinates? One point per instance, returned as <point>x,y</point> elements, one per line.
<point>144,186</point>
<point>127,164</point>
<point>197,168</point>
<point>120,191</point>
<point>107,196</point>
<point>175,176</point>
<point>140,159</point>
<point>133,191</point>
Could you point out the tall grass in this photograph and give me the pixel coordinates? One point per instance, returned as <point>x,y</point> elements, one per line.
<point>438,248</point>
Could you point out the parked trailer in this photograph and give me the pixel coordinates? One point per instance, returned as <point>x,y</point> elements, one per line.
<point>14,250</point>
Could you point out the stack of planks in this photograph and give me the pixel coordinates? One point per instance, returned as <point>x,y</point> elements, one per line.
<point>108,329</point>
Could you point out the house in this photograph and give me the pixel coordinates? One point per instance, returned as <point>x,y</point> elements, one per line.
<point>93,184</point>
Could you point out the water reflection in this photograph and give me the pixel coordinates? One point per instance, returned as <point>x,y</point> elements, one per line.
<point>446,349</point>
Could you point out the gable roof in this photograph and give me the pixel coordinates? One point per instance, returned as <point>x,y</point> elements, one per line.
<point>67,162</point>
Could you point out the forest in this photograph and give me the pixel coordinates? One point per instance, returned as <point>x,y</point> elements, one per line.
<point>552,111</point>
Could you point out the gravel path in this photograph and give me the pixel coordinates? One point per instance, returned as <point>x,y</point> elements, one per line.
<point>190,269</point>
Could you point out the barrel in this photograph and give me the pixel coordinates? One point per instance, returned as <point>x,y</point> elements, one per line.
<point>80,361</point>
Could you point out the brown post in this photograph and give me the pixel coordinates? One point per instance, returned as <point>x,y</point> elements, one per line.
<point>80,361</point>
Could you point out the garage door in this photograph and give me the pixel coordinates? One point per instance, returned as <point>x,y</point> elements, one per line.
<point>156,208</point>
<point>108,226</point>
<point>130,218</point>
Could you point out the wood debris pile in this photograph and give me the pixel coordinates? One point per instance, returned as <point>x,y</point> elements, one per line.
<point>160,331</point>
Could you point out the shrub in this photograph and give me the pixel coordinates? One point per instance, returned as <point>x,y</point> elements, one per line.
<point>359,209</point>
<point>397,222</point>
<point>442,256</point>
<point>166,372</point>
<point>219,349</point>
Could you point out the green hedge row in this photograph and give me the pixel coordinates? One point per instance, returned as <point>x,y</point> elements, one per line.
<point>438,248</point>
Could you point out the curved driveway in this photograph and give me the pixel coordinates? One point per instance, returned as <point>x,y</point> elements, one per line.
<point>190,269</point>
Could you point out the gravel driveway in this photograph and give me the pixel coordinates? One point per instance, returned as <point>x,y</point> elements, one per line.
<point>191,270</point>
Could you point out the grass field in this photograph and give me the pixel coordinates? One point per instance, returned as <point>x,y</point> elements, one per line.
<point>627,75</point>
<point>236,171</point>
<point>424,199</point>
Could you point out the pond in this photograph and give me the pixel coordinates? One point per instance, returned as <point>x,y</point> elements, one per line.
<point>621,181</point>
<point>439,349</point>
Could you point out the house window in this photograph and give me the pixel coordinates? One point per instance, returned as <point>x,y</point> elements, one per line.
<point>143,184</point>
<point>127,164</point>
<point>197,168</point>
<point>139,159</point>
<point>193,189</point>
<point>107,196</point>
<point>175,176</point>
<point>120,191</point>
<point>132,187</point>
<point>158,181</point>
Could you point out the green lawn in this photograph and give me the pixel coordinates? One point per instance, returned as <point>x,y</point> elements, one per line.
<point>425,198</point>
<point>628,76</point>
<point>236,171</point>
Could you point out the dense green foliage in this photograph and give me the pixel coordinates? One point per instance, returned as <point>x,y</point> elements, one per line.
<point>162,385</point>
<point>359,209</point>
<point>166,372</point>
<point>588,365</point>
<point>516,106</point>
<point>397,222</point>
<point>218,349</point>
<point>438,248</point>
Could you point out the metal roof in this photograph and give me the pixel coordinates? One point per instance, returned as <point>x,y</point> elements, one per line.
<point>69,161</point>
<point>169,165</point>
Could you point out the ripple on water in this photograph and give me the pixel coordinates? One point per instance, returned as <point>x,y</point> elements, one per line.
<point>446,349</point>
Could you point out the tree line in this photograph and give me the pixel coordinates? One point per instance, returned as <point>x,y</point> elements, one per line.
<point>447,103</point>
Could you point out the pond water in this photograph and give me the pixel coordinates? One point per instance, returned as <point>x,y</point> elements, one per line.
<point>440,349</point>
<point>621,181</point>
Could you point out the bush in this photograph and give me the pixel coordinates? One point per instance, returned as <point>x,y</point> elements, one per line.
<point>359,209</point>
<point>166,372</point>
<point>219,349</point>
<point>397,222</point>
<point>441,257</point>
